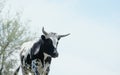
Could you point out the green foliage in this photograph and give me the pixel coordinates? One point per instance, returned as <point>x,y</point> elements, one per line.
<point>12,35</point>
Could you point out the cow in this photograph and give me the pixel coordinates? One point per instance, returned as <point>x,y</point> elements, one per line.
<point>36,57</point>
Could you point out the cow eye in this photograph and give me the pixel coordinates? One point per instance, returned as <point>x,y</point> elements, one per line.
<point>49,41</point>
<point>58,38</point>
<point>57,43</point>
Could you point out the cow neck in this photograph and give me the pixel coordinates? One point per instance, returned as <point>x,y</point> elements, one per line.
<point>43,56</point>
<point>37,50</point>
<point>41,52</point>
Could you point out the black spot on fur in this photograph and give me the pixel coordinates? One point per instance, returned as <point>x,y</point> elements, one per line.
<point>34,48</point>
<point>15,73</point>
<point>48,69</point>
<point>28,60</point>
<point>36,64</point>
<point>22,57</point>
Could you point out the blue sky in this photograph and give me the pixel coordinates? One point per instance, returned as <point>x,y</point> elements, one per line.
<point>93,46</point>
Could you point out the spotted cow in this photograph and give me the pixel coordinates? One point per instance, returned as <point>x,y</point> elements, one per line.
<point>36,56</point>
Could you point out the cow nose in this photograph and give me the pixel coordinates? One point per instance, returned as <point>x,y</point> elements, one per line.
<point>55,53</point>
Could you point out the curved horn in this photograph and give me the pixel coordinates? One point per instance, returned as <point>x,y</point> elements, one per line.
<point>59,36</point>
<point>44,32</point>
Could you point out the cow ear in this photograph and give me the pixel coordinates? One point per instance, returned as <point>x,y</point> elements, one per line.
<point>43,37</point>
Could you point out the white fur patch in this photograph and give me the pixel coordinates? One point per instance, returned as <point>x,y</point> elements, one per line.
<point>54,40</point>
<point>46,55</point>
<point>53,37</point>
<point>27,46</point>
<point>37,50</point>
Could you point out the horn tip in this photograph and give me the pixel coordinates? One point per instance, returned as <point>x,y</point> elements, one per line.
<point>68,33</point>
<point>44,32</point>
<point>43,28</point>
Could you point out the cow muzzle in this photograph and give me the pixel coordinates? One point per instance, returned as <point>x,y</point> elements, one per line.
<point>55,54</point>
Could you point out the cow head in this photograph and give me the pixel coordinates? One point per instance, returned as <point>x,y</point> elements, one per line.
<point>50,42</point>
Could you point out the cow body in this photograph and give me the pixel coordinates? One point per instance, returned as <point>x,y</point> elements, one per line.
<point>33,59</point>
<point>36,56</point>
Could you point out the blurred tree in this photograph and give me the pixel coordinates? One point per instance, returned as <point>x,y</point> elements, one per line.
<point>12,35</point>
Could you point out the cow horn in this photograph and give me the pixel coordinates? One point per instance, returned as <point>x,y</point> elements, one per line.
<point>44,32</point>
<point>59,36</point>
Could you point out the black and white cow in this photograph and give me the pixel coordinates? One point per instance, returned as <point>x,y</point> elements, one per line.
<point>36,57</point>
